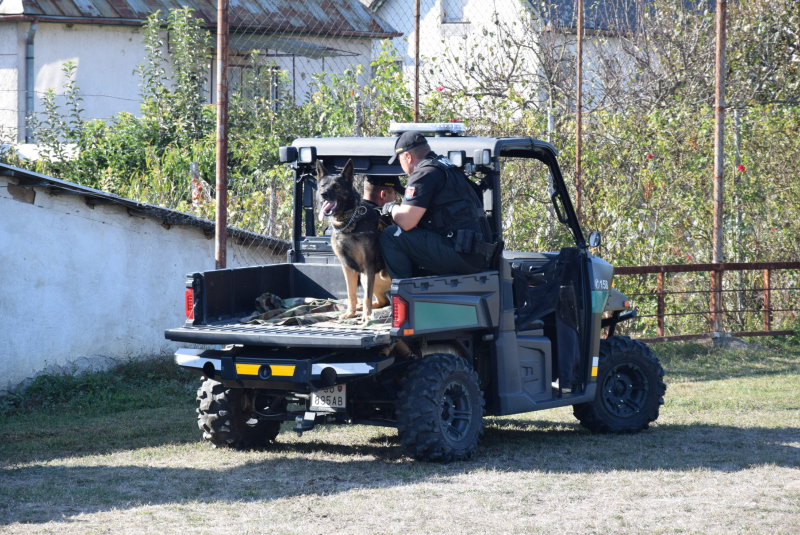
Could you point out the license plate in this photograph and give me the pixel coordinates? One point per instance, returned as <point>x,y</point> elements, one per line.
<point>334,397</point>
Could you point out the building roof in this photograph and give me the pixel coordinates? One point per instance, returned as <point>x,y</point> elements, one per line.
<point>603,15</point>
<point>94,197</point>
<point>340,18</point>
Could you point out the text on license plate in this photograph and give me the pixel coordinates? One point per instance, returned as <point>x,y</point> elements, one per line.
<point>334,397</point>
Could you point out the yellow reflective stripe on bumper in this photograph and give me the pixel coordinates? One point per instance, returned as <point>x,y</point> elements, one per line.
<point>247,369</point>
<point>283,371</point>
<point>252,369</point>
<point>594,371</point>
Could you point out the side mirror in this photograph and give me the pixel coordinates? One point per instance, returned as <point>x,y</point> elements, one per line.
<point>595,239</point>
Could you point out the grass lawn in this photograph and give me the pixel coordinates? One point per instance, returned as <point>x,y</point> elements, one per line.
<point>724,457</point>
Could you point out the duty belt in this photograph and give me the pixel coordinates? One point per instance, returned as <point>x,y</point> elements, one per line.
<point>469,241</point>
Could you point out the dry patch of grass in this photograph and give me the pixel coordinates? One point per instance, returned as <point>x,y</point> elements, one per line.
<point>723,458</point>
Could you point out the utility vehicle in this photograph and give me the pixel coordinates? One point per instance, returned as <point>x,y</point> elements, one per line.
<point>525,335</point>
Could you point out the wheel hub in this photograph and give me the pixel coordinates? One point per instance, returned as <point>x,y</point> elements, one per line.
<point>625,390</point>
<point>456,411</point>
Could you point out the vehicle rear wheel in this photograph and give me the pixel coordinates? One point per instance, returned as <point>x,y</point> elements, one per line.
<point>440,409</point>
<point>222,416</point>
<point>630,388</point>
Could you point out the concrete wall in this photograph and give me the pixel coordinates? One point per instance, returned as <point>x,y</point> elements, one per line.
<point>86,285</point>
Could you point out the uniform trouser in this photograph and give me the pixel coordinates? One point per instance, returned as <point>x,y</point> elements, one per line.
<point>404,250</point>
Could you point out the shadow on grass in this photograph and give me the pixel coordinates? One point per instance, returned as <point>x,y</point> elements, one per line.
<point>43,493</point>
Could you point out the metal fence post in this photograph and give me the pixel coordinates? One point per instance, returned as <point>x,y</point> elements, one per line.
<point>416,61</point>
<point>737,139</point>
<point>358,120</point>
<point>660,306</point>
<point>579,60</point>
<point>221,228</point>
<point>767,313</point>
<point>715,312</point>
<point>719,158</point>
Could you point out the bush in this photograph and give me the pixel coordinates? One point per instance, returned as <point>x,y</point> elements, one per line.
<point>134,384</point>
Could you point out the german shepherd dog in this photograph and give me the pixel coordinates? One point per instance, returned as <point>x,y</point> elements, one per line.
<point>355,239</point>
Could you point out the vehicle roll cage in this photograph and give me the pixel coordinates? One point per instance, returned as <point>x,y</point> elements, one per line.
<point>371,156</point>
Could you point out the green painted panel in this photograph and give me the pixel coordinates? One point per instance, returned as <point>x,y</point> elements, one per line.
<point>599,301</point>
<point>443,315</point>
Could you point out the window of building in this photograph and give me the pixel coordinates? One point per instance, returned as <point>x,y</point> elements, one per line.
<point>453,11</point>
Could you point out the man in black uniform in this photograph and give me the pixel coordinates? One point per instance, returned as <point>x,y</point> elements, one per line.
<point>378,190</point>
<point>441,225</point>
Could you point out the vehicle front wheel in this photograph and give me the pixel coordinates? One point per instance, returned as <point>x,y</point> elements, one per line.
<point>440,409</point>
<point>223,414</point>
<point>630,388</point>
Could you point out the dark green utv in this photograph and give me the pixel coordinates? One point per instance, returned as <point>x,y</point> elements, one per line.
<point>524,336</point>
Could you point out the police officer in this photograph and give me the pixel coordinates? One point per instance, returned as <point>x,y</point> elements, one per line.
<point>441,225</point>
<point>378,190</point>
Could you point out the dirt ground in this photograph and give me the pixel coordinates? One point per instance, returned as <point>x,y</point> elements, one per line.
<point>723,458</point>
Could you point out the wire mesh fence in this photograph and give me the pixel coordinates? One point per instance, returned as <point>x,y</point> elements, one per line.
<point>755,299</point>
<point>142,124</point>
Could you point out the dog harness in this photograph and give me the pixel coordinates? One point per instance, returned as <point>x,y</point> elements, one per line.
<point>356,215</point>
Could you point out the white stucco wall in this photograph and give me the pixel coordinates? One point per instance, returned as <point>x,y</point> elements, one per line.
<point>9,81</point>
<point>352,52</point>
<point>87,285</point>
<point>468,30</point>
<point>107,58</point>
<point>446,27</point>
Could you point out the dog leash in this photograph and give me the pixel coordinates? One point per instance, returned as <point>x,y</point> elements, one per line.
<point>361,210</point>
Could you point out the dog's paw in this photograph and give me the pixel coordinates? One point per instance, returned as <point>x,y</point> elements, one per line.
<point>349,314</point>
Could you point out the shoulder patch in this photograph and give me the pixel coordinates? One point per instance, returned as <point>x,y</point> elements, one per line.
<point>410,193</point>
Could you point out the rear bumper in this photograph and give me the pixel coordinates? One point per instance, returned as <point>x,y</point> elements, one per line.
<point>291,375</point>
<point>280,336</point>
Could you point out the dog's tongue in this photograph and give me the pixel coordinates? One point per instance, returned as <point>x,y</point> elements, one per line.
<point>327,208</point>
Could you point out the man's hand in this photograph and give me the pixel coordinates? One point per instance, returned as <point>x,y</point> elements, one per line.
<point>386,209</point>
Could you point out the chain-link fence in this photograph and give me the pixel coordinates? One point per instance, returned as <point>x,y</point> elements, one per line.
<point>305,68</point>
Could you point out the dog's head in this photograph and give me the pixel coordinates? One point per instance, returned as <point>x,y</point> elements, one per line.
<point>336,191</point>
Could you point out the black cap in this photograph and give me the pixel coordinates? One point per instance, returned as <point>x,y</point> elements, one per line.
<point>387,181</point>
<point>407,141</point>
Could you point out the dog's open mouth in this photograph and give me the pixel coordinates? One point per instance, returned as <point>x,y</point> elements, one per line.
<point>327,209</point>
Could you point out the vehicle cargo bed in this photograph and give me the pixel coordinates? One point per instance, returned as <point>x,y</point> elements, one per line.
<point>280,335</point>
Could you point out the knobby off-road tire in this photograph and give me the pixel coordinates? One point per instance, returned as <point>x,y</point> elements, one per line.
<point>222,415</point>
<point>630,388</point>
<point>440,409</point>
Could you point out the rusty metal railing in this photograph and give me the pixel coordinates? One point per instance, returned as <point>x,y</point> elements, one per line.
<point>715,311</point>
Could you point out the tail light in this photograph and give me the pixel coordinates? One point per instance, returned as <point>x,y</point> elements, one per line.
<point>189,304</point>
<point>399,311</point>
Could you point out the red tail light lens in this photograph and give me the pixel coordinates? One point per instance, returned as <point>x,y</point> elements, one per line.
<point>189,304</point>
<point>399,311</point>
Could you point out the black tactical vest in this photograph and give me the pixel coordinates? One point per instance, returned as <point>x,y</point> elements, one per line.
<point>457,205</point>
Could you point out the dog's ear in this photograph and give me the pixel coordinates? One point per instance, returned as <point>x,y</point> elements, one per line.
<point>347,172</point>
<point>321,171</point>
